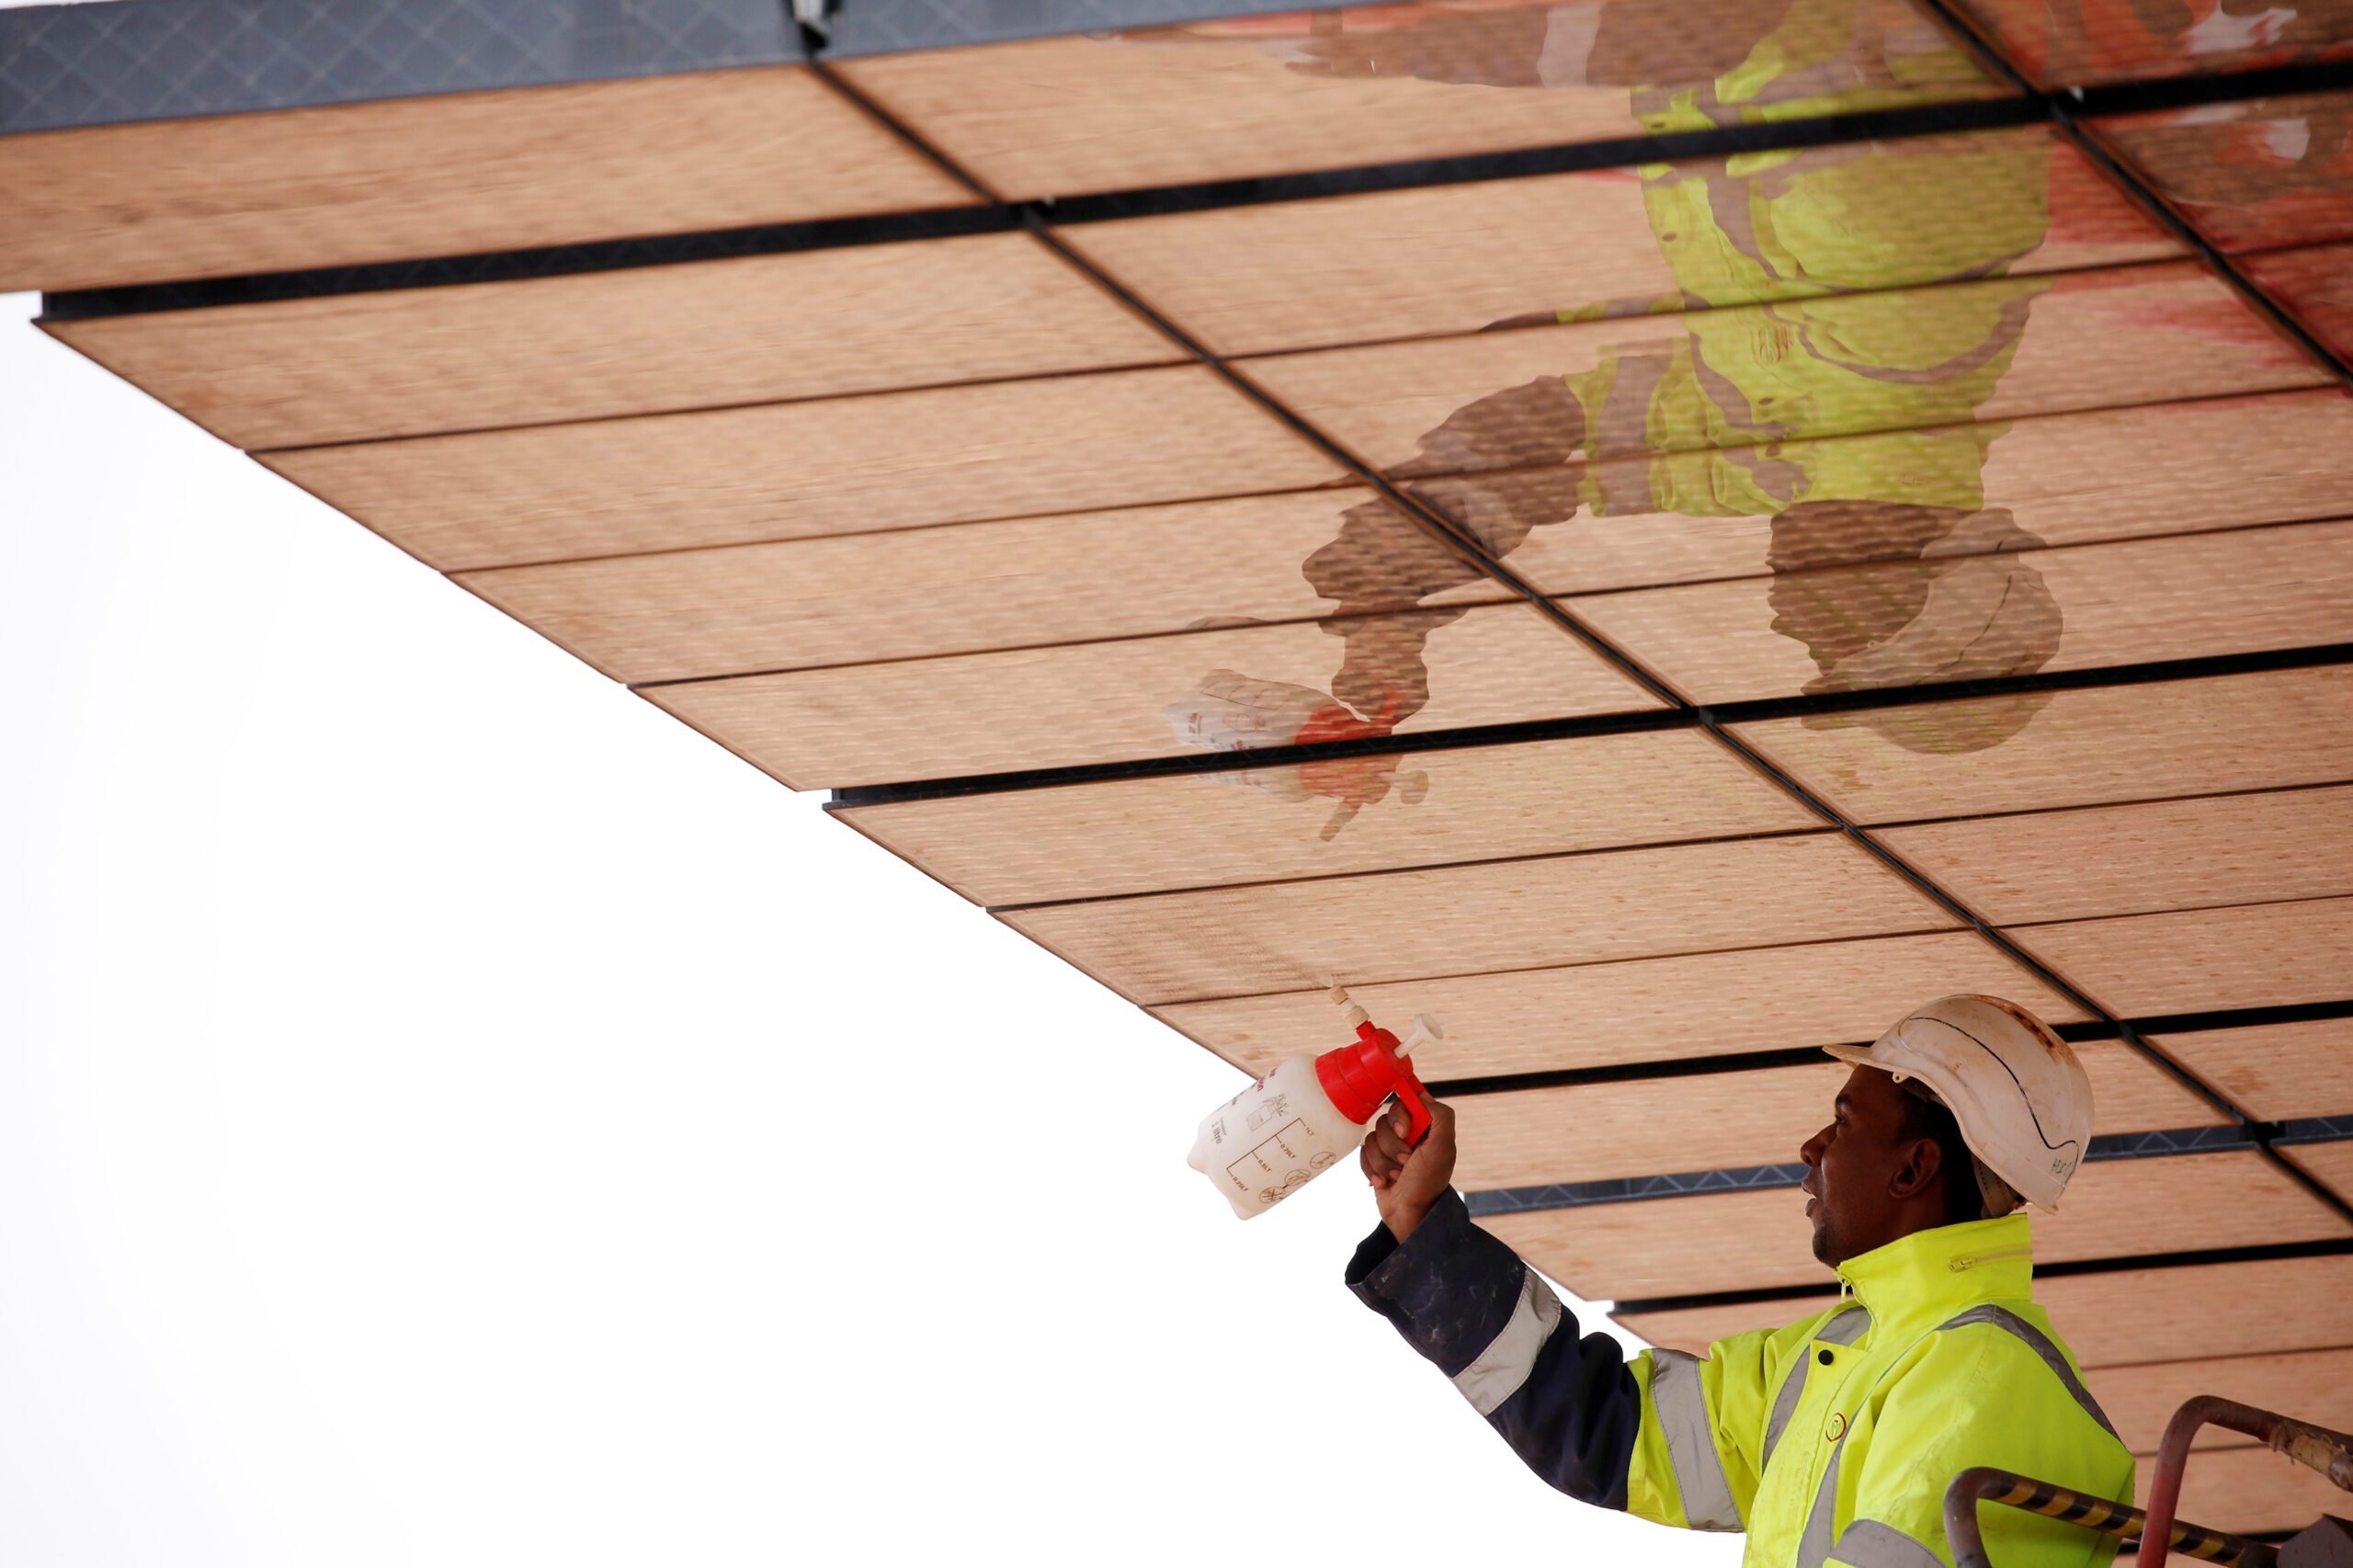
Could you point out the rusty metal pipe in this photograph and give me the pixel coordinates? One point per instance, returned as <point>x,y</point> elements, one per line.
<point>1984,1484</point>
<point>2329,1452</point>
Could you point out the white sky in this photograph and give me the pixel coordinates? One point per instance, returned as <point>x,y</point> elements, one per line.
<point>450,1113</point>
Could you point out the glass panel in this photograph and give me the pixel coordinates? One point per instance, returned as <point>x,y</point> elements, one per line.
<point>796,471</point>
<point>2214,735</point>
<point>2263,955</point>
<point>1659,1009</point>
<point>2248,176</point>
<point>643,340</point>
<point>2275,1071</point>
<point>1251,95</point>
<point>1665,237</point>
<point>1395,926</point>
<point>1996,606</point>
<point>2078,42</point>
<point>2140,858</point>
<point>1355,677</point>
<point>1328,818</point>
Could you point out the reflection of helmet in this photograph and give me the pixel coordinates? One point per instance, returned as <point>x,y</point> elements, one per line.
<point>2023,1100</point>
<point>1973,609</point>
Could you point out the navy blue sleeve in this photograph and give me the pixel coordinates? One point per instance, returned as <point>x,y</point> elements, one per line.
<point>1567,1404</point>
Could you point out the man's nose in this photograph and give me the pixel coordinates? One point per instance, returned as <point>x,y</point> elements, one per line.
<point>1809,1152</point>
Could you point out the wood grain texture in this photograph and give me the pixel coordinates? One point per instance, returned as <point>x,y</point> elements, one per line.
<point>2315,285</point>
<point>2275,1071</point>
<point>2064,478</point>
<point>2250,956</point>
<point>1730,1121</point>
<point>1646,1010</point>
<point>1107,701</point>
<point>1473,919</point>
<point>921,593</point>
<point>2129,1316</point>
<point>2140,1400</point>
<point>1349,270</point>
<point>646,340</point>
<point>1204,830</point>
<point>2137,860</point>
<point>450,174</point>
<point>1056,117</point>
<point>2331,1164</point>
<point>2214,735</point>
<point>1914,622</point>
<point>1678,1246</point>
<point>797,470</point>
<point>2101,339</point>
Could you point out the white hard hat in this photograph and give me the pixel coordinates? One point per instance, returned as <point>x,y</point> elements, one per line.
<point>2023,1100</point>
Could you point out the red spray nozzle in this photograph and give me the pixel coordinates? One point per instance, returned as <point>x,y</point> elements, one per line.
<point>1358,1078</point>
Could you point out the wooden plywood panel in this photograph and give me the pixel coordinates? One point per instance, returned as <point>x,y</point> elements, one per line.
<point>2277,1070</point>
<point>1021,581</point>
<point>1904,359</point>
<point>1266,94</point>
<point>450,174</point>
<point>797,470</point>
<point>2253,1490</point>
<point>1203,830</point>
<point>2140,1400</point>
<point>693,334</point>
<point>1472,919</point>
<point>1679,1247</point>
<point>2116,40</point>
<point>2258,174</point>
<point>1730,1120</point>
<point>1647,1010</point>
<point>2010,612</point>
<point>1161,697</point>
<point>2316,286</point>
<point>2113,1319</point>
<point>2063,479</point>
<point>2216,849</point>
<point>2250,956</point>
<point>1350,270</point>
<point>2012,754</point>
<point>2330,1164</point>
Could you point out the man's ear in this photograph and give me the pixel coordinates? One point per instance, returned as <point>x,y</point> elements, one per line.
<point>1921,1170</point>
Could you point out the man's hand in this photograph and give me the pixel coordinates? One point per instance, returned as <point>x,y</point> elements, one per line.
<point>1405,1180</point>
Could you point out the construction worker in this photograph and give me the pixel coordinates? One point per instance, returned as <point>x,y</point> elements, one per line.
<point>1831,1441</point>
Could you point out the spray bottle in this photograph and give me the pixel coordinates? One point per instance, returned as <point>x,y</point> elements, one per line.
<point>1301,1119</point>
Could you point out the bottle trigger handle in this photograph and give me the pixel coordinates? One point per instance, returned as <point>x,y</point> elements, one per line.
<point>1410,1092</point>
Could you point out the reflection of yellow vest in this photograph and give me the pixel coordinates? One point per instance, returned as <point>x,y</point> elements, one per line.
<point>1826,57</point>
<point>1805,237</point>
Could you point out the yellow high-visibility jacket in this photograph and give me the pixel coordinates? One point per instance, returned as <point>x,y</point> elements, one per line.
<point>1829,1441</point>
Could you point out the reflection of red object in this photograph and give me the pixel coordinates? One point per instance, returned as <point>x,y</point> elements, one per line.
<point>1355,782</point>
<point>2064,43</point>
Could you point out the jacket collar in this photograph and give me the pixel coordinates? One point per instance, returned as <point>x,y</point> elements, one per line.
<point>1922,1279</point>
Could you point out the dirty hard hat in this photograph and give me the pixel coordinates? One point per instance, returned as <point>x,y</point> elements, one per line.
<point>2022,1099</point>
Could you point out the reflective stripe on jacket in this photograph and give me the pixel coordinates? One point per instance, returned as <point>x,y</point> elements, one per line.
<point>1829,1441</point>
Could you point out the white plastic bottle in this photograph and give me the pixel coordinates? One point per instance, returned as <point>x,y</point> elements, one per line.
<point>1307,1116</point>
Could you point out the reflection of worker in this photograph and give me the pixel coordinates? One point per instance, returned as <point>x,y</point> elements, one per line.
<point>1831,1441</point>
<point>1973,608</point>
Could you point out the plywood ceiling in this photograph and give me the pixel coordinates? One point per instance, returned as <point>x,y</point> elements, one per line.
<point>1658,607</point>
